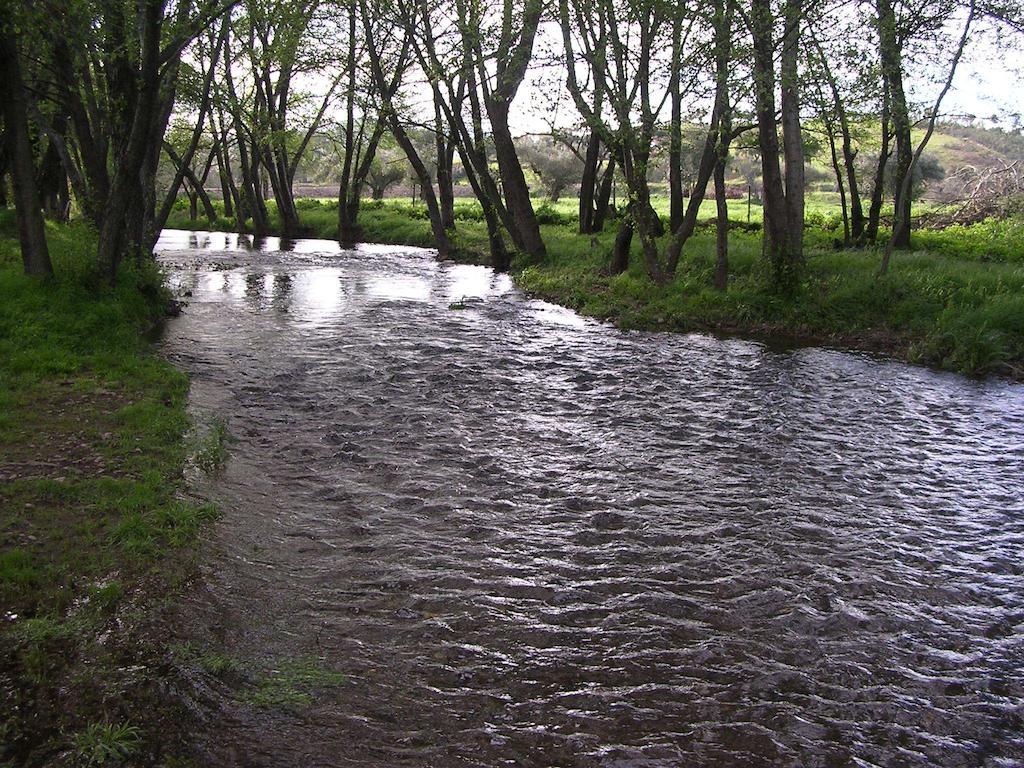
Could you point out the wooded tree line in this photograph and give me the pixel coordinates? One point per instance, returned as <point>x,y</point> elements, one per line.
<point>89,89</point>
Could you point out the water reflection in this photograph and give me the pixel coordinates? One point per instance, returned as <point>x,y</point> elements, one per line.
<point>316,295</point>
<point>529,539</point>
<point>172,239</point>
<point>281,289</point>
<point>398,288</point>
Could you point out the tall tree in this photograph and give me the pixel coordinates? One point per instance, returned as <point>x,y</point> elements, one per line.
<point>623,46</point>
<point>782,202</point>
<point>448,62</point>
<point>112,70</point>
<point>901,220</point>
<point>510,59</point>
<point>183,163</point>
<point>283,43</point>
<point>385,47</point>
<point>890,45</point>
<point>34,252</point>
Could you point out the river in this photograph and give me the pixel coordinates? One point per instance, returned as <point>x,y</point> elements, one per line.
<point>530,539</point>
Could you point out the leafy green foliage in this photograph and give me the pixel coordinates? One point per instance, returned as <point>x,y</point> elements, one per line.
<point>212,449</point>
<point>103,745</point>
<point>991,240</point>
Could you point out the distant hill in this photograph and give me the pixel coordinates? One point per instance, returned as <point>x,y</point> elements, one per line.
<point>956,146</point>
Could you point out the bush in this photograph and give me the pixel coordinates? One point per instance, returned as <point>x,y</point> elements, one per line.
<point>548,214</point>
<point>469,211</point>
<point>989,240</point>
<point>829,222</point>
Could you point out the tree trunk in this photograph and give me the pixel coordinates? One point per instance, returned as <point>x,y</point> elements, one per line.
<point>716,142</point>
<point>792,137</point>
<point>348,226</point>
<point>348,229</point>
<point>229,190</point>
<point>52,178</point>
<point>193,200</point>
<point>878,190</point>
<point>620,250</point>
<point>185,162</point>
<point>675,149</point>
<point>250,201</point>
<point>252,189</point>
<point>689,221</point>
<point>775,238</point>
<point>892,70</point>
<point>721,228</point>
<point>901,223</point>
<point>120,231</point>
<point>92,181</point>
<point>723,50</point>
<point>604,196</point>
<point>445,158</point>
<point>588,183</point>
<point>197,185</point>
<point>281,188</point>
<point>473,153</point>
<point>35,254</point>
<point>501,260</point>
<point>645,219</point>
<point>517,193</point>
<point>855,230</point>
<point>227,183</point>
<point>355,189</point>
<point>4,164</point>
<point>840,185</point>
<point>443,243</point>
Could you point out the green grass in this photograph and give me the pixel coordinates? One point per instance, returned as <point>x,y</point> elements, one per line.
<point>931,309</point>
<point>281,683</point>
<point>102,745</point>
<point>211,451</point>
<point>292,683</point>
<point>92,526</point>
<point>955,302</point>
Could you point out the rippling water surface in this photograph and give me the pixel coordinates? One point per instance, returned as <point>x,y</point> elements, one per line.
<point>531,539</point>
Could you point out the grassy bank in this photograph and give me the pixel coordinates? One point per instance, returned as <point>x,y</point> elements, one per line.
<point>92,447</point>
<point>955,302</point>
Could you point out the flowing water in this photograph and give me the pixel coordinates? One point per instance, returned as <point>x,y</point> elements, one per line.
<point>531,539</point>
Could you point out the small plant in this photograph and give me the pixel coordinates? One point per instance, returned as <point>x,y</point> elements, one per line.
<point>214,663</point>
<point>106,596</point>
<point>17,569</point>
<point>135,534</point>
<point>104,744</point>
<point>43,646</point>
<point>292,683</point>
<point>218,664</point>
<point>212,451</point>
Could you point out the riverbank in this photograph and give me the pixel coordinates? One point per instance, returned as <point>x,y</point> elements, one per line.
<point>956,302</point>
<point>95,534</point>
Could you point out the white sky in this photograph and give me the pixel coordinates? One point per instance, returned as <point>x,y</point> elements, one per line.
<point>990,84</point>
